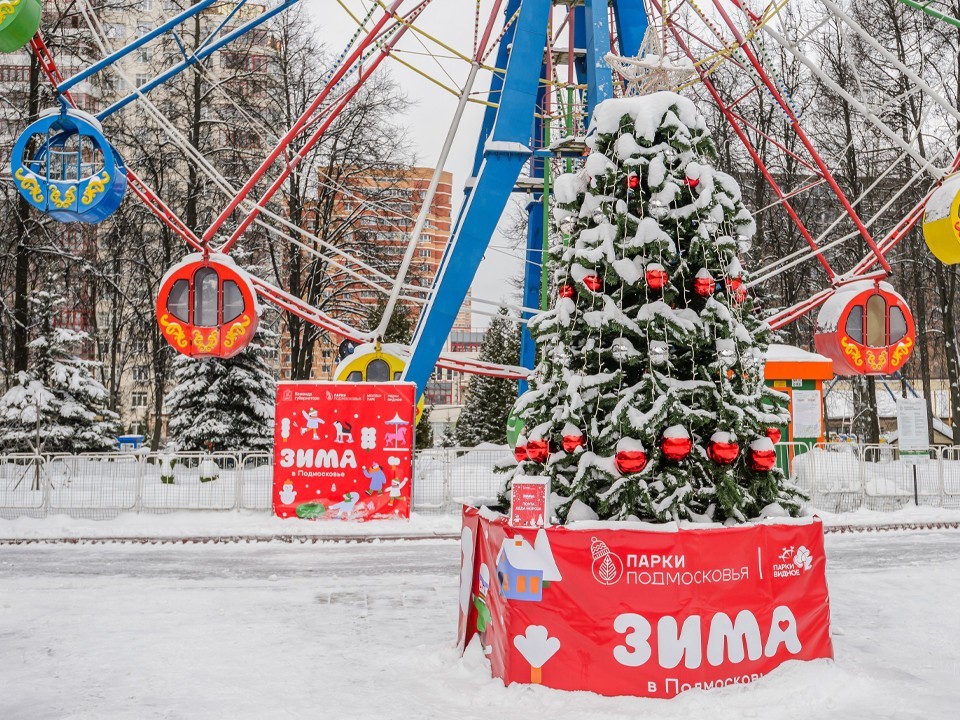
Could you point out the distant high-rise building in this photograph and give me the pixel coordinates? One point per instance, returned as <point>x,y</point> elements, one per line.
<point>389,222</point>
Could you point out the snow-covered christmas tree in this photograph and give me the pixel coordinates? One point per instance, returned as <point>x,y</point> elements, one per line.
<point>648,401</point>
<point>223,404</point>
<point>489,399</point>
<point>57,405</point>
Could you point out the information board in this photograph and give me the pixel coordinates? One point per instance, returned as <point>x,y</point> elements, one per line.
<point>343,451</point>
<point>529,506</point>
<point>807,414</point>
<point>913,433</point>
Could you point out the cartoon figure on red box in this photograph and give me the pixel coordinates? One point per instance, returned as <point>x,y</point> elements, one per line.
<point>398,432</point>
<point>346,506</point>
<point>344,432</point>
<point>377,478</point>
<point>314,421</point>
<point>288,494</point>
<point>480,603</point>
<point>394,490</point>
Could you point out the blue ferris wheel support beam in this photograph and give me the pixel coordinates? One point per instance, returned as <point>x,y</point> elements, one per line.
<point>136,44</point>
<point>630,17</point>
<point>503,153</point>
<point>506,143</point>
<point>597,43</point>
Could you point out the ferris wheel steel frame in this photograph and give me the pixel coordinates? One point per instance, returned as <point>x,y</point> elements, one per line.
<point>863,270</point>
<point>168,217</point>
<point>508,137</point>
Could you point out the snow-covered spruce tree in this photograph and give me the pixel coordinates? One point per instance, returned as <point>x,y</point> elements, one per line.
<point>649,400</point>
<point>489,399</point>
<point>223,404</point>
<point>71,402</point>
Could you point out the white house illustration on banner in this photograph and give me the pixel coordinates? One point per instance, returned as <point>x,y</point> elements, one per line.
<point>524,569</point>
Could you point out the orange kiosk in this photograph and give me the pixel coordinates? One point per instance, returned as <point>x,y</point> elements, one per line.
<point>799,374</point>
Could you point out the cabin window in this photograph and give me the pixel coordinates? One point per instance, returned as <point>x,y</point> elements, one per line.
<point>876,321</point>
<point>521,584</point>
<point>898,325</point>
<point>205,297</point>
<point>534,584</point>
<point>232,301</point>
<point>854,327</point>
<point>178,301</point>
<point>378,371</point>
<point>355,376</point>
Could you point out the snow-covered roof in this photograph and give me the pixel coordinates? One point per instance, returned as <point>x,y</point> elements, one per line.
<point>790,353</point>
<point>520,554</point>
<point>524,556</point>
<point>542,546</point>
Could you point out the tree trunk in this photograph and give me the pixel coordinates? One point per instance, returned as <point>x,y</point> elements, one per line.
<point>946,287</point>
<point>23,252</point>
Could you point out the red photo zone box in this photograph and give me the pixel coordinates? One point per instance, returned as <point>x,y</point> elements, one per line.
<point>343,451</point>
<point>645,611</point>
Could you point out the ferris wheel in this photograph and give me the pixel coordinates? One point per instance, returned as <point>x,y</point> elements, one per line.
<point>538,68</point>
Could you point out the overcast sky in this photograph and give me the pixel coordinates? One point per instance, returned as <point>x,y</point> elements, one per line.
<point>431,110</point>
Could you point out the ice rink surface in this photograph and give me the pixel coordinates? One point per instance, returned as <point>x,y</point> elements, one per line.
<point>367,631</point>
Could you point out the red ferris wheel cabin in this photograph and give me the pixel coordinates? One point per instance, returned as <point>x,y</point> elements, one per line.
<point>207,307</point>
<point>866,328</point>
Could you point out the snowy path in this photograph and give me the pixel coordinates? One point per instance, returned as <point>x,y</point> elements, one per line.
<point>366,631</point>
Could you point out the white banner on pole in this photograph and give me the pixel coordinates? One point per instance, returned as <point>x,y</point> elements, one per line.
<point>807,414</point>
<point>913,433</point>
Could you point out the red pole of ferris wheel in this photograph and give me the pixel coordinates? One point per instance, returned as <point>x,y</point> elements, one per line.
<point>298,126</point>
<point>331,116</point>
<point>802,136</point>
<point>755,156</point>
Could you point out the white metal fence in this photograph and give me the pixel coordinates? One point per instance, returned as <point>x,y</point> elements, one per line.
<point>841,477</point>
<point>838,477</point>
<point>103,485</point>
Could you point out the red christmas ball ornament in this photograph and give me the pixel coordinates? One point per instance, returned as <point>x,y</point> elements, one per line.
<point>566,291</point>
<point>656,276</point>
<point>633,181</point>
<point>520,453</point>
<point>703,284</point>
<point>538,450</point>
<point>630,461</point>
<point>736,288</point>
<point>723,449</point>
<point>773,433</point>
<point>593,282</point>
<point>762,460</point>
<point>676,443</point>
<point>692,182</point>
<point>571,442</point>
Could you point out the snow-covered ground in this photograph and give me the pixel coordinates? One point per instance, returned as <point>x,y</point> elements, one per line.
<point>266,631</point>
<point>245,523</point>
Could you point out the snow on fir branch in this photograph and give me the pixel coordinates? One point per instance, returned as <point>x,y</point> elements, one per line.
<point>649,395</point>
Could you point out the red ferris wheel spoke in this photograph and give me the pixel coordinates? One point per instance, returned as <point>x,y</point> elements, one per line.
<point>297,129</point>
<point>801,134</point>
<point>754,154</point>
<point>49,67</point>
<point>297,158</point>
<point>776,143</point>
<point>907,223</point>
<point>162,212</point>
